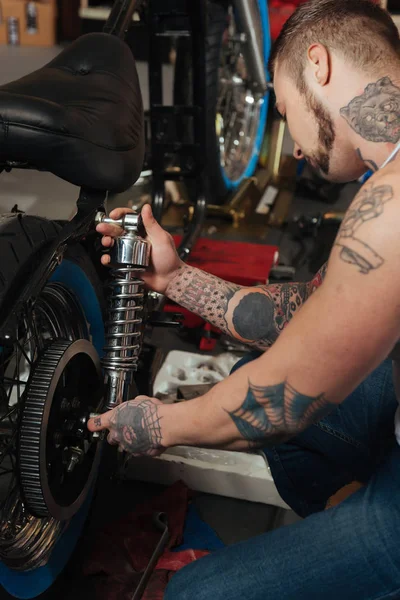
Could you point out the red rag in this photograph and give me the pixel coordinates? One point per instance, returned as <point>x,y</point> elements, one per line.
<point>167,566</point>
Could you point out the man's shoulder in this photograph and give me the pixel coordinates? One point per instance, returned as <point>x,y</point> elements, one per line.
<point>381,187</point>
<point>368,236</point>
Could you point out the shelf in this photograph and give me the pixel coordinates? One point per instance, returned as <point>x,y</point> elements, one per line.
<point>98,13</point>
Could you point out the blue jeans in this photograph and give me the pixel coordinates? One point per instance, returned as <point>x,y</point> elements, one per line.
<point>350,552</point>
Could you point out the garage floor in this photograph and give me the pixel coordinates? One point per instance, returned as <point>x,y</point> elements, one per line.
<point>43,194</point>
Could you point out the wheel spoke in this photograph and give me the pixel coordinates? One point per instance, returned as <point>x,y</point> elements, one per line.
<point>8,447</point>
<point>10,412</point>
<point>18,386</point>
<point>2,473</point>
<point>11,386</point>
<point>11,489</point>
<point>33,326</point>
<point>7,360</point>
<point>28,360</point>
<point>11,381</point>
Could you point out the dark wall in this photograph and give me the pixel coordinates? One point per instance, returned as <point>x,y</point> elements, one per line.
<point>69,23</point>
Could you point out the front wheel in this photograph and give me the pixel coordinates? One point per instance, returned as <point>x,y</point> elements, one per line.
<point>235,116</point>
<point>50,379</point>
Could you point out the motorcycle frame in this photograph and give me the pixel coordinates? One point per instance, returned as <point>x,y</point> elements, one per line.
<point>91,201</point>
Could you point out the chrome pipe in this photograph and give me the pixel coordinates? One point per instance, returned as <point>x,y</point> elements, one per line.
<point>252,47</point>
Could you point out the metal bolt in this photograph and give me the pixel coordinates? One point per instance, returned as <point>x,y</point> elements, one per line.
<point>65,405</point>
<point>80,433</point>
<point>69,425</point>
<point>76,403</point>
<point>75,458</point>
<point>57,439</point>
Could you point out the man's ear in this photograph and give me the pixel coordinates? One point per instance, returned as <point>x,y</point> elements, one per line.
<point>319,62</point>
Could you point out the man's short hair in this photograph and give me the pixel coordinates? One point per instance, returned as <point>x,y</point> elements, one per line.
<point>360,30</point>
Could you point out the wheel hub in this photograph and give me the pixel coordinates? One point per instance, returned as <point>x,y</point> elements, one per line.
<point>58,459</point>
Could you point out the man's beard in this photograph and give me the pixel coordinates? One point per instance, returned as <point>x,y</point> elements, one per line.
<point>326,134</point>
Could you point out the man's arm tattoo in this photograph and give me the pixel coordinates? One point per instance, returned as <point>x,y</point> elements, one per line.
<point>204,294</point>
<point>375,115</point>
<point>272,414</point>
<point>261,313</point>
<point>137,427</point>
<point>368,205</point>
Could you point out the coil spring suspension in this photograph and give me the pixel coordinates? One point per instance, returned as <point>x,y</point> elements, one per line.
<point>124,324</point>
<point>124,327</point>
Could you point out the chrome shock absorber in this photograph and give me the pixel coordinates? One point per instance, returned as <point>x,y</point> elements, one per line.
<point>124,327</point>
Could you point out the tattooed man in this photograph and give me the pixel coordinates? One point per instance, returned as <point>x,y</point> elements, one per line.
<point>320,398</point>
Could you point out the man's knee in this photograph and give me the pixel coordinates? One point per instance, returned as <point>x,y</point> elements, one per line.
<point>184,584</point>
<point>201,580</point>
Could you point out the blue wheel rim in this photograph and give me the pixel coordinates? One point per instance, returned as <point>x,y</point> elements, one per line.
<point>232,184</point>
<point>33,583</point>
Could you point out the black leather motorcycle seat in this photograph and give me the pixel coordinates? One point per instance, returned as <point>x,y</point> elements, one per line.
<point>79,117</point>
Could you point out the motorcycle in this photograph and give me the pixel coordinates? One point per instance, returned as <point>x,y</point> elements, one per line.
<point>237,48</point>
<point>70,337</point>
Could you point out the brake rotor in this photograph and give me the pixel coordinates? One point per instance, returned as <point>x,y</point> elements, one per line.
<point>57,457</point>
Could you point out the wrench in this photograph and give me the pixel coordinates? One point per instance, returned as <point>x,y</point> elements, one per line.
<point>160,520</point>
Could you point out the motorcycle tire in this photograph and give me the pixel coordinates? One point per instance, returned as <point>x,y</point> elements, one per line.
<point>220,183</point>
<point>23,239</point>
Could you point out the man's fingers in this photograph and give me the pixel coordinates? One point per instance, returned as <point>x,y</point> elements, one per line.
<point>105,259</point>
<point>100,422</point>
<point>112,440</point>
<point>112,230</point>
<point>117,213</point>
<point>153,228</point>
<point>107,241</point>
<point>109,230</point>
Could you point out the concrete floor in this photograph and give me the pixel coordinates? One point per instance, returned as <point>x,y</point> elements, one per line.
<point>45,195</point>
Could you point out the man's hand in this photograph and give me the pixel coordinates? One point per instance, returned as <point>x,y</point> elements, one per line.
<point>134,426</point>
<point>165,262</point>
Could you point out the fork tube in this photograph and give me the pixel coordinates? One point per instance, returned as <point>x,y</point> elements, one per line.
<point>120,17</point>
<point>255,58</point>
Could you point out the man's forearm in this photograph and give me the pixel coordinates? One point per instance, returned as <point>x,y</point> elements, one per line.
<point>254,315</point>
<point>245,411</point>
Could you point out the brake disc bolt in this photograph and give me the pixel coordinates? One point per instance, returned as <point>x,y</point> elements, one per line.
<point>76,457</point>
<point>57,438</point>
<point>65,405</point>
<point>69,425</point>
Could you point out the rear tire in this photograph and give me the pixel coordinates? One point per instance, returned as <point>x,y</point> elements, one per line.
<point>23,239</point>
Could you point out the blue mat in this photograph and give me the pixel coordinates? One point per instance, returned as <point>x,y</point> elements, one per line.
<point>198,535</point>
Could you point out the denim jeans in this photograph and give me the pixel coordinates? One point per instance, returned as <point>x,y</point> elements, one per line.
<point>350,552</point>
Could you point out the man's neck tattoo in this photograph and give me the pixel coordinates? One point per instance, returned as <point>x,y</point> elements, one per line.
<point>375,115</point>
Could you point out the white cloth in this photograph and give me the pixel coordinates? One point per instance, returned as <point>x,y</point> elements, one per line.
<point>391,155</point>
